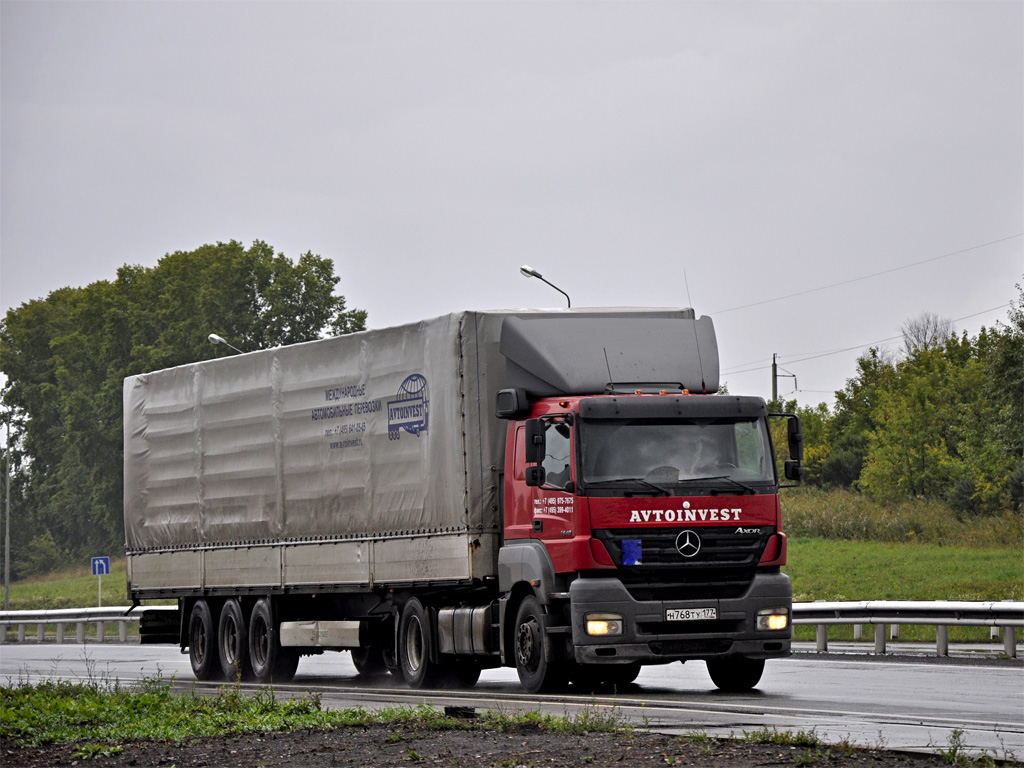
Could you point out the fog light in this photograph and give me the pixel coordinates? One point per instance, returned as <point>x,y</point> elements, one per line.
<point>601,624</point>
<point>773,618</point>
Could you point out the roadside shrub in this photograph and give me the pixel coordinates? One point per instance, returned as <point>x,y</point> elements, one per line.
<point>849,516</point>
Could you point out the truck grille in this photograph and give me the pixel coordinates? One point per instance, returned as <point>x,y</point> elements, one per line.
<point>652,568</point>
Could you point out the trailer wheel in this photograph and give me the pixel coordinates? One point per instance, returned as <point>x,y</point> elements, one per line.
<point>202,642</point>
<point>233,642</point>
<point>735,674</point>
<point>270,661</point>
<point>536,673</point>
<point>369,661</point>
<point>415,646</point>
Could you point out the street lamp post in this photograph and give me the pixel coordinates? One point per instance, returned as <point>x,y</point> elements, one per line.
<point>531,272</point>
<point>7,518</point>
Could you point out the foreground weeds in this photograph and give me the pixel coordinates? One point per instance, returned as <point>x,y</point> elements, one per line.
<point>99,715</point>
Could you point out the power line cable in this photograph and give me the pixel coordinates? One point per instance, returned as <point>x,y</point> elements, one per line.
<point>815,356</point>
<point>866,277</point>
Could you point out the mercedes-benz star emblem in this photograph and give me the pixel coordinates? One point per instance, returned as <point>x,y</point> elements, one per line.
<point>688,544</point>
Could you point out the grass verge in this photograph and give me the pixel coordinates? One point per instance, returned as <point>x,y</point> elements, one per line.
<point>860,570</point>
<point>97,716</point>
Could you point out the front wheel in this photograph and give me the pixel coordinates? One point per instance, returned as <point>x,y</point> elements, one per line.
<point>271,662</point>
<point>536,673</point>
<point>735,674</point>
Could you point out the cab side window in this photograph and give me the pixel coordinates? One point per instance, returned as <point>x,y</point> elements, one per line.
<point>556,460</point>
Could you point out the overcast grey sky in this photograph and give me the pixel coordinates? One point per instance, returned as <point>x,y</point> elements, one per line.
<point>431,148</point>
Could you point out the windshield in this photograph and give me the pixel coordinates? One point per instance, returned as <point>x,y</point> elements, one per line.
<point>676,452</point>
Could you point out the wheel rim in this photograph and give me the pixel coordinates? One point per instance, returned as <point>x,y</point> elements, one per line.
<point>197,640</point>
<point>261,643</point>
<point>231,640</point>
<point>414,644</point>
<point>526,644</point>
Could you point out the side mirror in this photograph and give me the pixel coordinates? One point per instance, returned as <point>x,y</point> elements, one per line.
<point>535,476</point>
<point>793,470</point>
<point>511,404</point>
<point>535,447</point>
<point>796,439</point>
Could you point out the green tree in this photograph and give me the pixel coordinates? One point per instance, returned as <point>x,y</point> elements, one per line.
<point>946,426</point>
<point>853,421</point>
<point>67,355</point>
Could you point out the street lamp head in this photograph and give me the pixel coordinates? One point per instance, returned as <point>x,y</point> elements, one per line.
<point>528,271</point>
<point>215,339</point>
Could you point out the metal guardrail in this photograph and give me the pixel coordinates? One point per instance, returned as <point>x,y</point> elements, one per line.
<point>79,617</point>
<point>940,614</point>
<point>879,613</point>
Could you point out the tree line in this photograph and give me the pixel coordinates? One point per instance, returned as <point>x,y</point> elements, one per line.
<point>943,420</point>
<point>66,356</point>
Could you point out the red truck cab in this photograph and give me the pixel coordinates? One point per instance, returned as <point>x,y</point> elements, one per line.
<point>654,522</point>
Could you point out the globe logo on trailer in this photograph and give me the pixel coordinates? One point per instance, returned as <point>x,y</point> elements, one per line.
<point>410,409</point>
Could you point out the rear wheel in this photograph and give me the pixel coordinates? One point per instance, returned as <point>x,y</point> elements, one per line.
<point>233,642</point>
<point>202,642</point>
<point>735,674</point>
<point>460,674</point>
<point>536,673</point>
<point>369,661</point>
<point>415,646</point>
<point>271,662</point>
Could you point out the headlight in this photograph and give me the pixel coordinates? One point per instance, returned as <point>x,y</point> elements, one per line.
<point>601,624</point>
<point>773,618</point>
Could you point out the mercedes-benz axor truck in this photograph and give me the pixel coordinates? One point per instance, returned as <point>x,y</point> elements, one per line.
<point>562,492</point>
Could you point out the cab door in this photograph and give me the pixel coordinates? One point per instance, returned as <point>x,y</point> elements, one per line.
<point>553,503</point>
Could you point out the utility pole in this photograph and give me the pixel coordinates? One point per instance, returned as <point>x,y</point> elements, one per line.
<point>775,377</point>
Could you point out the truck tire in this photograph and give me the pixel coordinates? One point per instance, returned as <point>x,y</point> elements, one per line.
<point>735,674</point>
<point>415,645</point>
<point>592,677</point>
<point>530,645</point>
<point>202,642</point>
<point>271,662</point>
<point>369,661</point>
<point>233,642</point>
<point>459,674</point>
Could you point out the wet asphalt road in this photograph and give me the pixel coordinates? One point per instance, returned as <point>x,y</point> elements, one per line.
<point>898,704</point>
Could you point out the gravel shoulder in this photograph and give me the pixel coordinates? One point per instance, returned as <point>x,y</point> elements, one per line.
<point>408,745</point>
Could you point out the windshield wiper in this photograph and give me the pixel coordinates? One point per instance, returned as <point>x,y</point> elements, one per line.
<point>737,483</point>
<point>640,480</point>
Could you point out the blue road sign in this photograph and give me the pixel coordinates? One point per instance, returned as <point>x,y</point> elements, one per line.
<point>101,566</point>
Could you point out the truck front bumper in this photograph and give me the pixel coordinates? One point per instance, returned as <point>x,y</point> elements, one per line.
<point>647,637</point>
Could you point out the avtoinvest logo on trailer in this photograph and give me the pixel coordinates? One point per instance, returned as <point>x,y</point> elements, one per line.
<point>410,410</point>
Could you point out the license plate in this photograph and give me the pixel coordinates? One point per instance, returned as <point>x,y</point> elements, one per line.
<point>690,614</point>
